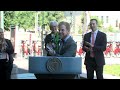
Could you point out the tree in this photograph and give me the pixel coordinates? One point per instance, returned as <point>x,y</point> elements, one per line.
<point>8,19</point>
<point>23,19</point>
<point>49,16</point>
<point>26,19</point>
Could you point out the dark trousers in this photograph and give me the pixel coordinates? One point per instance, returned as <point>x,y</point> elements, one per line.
<point>5,70</point>
<point>55,76</point>
<point>91,67</point>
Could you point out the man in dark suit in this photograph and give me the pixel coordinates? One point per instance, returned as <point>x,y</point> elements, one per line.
<point>67,48</point>
<point>94,44</point>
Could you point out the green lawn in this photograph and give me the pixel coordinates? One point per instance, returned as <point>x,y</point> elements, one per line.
<point>112,69</point>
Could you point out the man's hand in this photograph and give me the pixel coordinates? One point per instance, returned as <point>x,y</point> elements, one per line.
<point>89,44</point>
<point>87,49</point>
<point>50,50</point>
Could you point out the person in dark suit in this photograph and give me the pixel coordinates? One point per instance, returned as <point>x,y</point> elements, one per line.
<point>94,44</point>
<point>6,58</point>
<point>53,38</point>
<point>68,47</point>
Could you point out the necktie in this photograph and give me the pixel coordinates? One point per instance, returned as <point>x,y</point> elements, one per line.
<point>93,40</point>
<point>61,45</point>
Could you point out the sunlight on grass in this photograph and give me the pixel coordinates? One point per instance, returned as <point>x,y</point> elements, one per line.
<point>112,69</point>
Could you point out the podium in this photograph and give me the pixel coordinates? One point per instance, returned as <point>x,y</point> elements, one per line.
<point>55,65</point>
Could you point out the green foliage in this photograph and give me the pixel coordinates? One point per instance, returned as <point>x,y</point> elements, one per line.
<point>47,16</point>
<point>113,69</point>
<point>26,19</point>
<point>8,19</point>
<point>80,30</point>
<point>110,29</point>
<point>23,19</point>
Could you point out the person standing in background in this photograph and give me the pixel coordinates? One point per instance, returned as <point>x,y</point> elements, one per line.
<point>94,44</point>
<point>53,38</point>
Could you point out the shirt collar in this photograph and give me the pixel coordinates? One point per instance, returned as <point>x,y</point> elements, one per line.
<point>66,38</point>
<point>95,32</point>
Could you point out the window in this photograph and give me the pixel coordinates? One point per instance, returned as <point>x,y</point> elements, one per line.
<point>102,18</point>
<point>107,18</point>
<point>116,23</point>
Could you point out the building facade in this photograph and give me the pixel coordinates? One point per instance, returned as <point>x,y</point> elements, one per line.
<point>108,17</point>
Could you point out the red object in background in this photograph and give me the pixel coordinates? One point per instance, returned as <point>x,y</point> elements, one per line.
<point>116,51</point>
<point>80,51</point>
<point>39,51</point>
<point>23,46</point>
<point>30,39</point>
<point>34,47</point>
<point>107,50</point>
<point>26,50</point>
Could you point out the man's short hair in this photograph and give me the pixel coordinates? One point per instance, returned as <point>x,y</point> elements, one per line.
<point>66,24</point>
<point>94,20</point>
<point>53,23</point>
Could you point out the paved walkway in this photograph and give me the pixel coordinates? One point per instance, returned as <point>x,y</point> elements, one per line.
<point>23,73</point>
<point>112,60</point>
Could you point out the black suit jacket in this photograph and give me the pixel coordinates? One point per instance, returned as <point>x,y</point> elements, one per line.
<point>10,50</point>
<point>99,48</point>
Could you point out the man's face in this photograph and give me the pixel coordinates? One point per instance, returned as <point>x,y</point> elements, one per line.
<point>93,25</point>
<point>63,31</point>
<point>53,28</point>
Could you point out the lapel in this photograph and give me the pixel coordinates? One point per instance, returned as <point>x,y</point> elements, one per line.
<point>97,37</point>
<point>89,37</point>
<point>67,41</point>
<point>62,48</point>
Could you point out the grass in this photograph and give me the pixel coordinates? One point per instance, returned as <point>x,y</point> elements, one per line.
<point>113,69</point>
